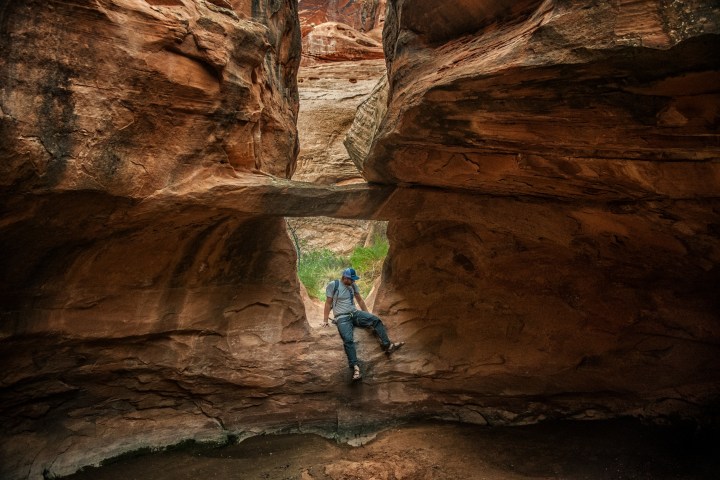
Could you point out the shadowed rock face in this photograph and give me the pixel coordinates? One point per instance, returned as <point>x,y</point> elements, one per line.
<point>105,313</point>
<point>550,176</point>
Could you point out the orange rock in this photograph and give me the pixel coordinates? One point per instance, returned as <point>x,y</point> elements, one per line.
<point>362,15</point>
<point>145,95</point>
<point>546,99</point>
<point>332,42</point>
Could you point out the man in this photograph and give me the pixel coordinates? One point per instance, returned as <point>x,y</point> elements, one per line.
<point>340,295</point>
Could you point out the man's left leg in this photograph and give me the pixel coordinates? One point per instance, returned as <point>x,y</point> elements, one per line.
<point>365,320</point>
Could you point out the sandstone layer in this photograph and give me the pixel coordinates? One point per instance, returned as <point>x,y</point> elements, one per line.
<point>128,97</point>
<point>332,42</point>
<point>330,93</point>
<point>361,15</point>
<point>551,178</point>
<point>329,97</point>
<point>609,102</point>
<point>111,297</point>
<point>583,256</point>
<point>341,31</point>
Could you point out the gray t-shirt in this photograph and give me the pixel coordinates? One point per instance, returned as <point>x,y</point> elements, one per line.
<point>344,303</point>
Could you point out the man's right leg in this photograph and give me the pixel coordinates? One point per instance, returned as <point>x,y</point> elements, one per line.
<point>345,328</point>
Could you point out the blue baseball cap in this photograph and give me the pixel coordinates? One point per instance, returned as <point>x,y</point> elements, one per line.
<point>350,273</point>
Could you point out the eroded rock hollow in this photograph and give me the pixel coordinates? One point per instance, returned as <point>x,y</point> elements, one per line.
<point>550,171</point>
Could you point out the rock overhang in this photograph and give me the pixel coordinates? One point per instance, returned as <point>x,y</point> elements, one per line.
<point>538,290</point>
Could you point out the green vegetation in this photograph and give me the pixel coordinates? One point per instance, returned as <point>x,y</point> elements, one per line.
<point>318,267</point>
<point>368,261</point>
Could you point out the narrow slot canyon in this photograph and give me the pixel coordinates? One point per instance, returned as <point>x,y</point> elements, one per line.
<point>547,175</point>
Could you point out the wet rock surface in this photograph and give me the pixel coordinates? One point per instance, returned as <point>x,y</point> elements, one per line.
<point>589,450</point>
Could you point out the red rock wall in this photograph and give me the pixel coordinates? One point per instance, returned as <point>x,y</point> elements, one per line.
<point>335,31</point>
<point>578,275</point>
<point>361,15</point>
<point>123,312</point>
<point>554,228</point>
<point>606,102</point>
<point>129,97</point>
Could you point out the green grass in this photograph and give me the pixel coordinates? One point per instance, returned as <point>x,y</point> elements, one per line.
<point>318,267</point>
<point>368,262</point>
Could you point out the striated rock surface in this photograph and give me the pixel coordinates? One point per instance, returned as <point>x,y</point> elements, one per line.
<point>333,42</point>
<point>613,101</point>
<point>340,67</point>
<point>117,301</point>
<point>361,15</point>
<point>551,182</point>
<point>129,97</point>
<point>329,97</point>
<point>583,256</point>
<point>368,119</point>
<point>341,30</point>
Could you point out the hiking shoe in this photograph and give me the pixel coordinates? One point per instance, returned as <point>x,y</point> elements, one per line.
<point>356,373</point>
<point>393,346</point>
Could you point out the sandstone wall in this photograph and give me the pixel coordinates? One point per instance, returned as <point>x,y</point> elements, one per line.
<point>361,15</point>
<point>342,63</point>
<point>584,255</point>
<point>330,94</point>
<point>131,96</point>
<point>123,314</point>
<point>613,101</point>
<point>341,30</point>
<point>551,176</point>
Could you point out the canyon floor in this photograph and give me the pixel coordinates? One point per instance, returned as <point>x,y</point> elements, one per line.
<point>618,449</point>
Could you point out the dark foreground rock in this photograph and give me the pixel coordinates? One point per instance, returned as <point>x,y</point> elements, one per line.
<point>588,450</point>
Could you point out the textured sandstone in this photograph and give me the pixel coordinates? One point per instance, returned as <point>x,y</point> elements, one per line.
<point>116,300</point>
<point>368,119</point>
<point>146,279</point>
<point>341,30</point>
<point>127,97</point>
<point>332,42</point>
<point>583,256</point>
<point>361,15</point>
<point>613,101</point>
<point>337,235</point>
<point>329,97</point>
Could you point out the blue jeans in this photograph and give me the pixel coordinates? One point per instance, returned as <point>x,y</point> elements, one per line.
<point>345,325</point>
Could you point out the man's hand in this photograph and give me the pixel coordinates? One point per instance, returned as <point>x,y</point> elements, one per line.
<point>325,323</point>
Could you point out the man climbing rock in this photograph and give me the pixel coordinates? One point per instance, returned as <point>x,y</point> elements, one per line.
<point>340,295</point>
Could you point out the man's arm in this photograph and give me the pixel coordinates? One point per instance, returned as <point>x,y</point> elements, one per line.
<point>361,302</point>
<point>326,312</point>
